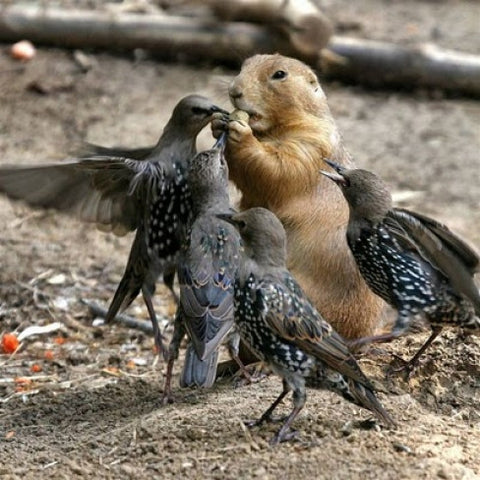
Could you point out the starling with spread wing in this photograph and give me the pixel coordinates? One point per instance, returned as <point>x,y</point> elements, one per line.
<point>413,262</point>
<point>281,326</point>
<point>148,193</point>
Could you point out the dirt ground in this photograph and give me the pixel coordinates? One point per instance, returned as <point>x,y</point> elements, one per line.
<point>94,410</point>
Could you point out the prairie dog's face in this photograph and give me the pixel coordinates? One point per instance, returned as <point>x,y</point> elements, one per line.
<point>272,88</point>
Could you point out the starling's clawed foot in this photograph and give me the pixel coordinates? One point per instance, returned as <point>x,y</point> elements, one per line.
<point>249,374</point>
<point>283,436</point>
<point>264,419</point>
<point>407,367</point>
<point>167,398</point>
<point>360,342</point>
<point>259,421</point>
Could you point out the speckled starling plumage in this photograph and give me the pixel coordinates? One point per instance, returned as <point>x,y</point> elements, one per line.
<point>207,267</point>
<point>413,262</point>
<point>147,193</point>
<point>281,326</point>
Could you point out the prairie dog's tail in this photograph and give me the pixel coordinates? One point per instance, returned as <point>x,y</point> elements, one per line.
<point>196,372</point>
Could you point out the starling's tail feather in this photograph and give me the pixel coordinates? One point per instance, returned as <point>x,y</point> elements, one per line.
<point>366,398</point>
<point>196,372</point>
<point>127,290</point>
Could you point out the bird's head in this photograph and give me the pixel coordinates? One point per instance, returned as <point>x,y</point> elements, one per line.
<point>193,112</point>
<point>367,195</point>
<point>263,235</point>
<point>208,172</point>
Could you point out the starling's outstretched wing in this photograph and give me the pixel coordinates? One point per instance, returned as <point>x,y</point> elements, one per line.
<point>416,224</point>
<point>103,190</point>
<point>290,315</point>
<point>206,273</point>
<point>444,250</point>
<point>87,149</point>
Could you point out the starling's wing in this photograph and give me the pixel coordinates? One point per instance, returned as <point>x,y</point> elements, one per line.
<point>133,277</point>
<point>444,250</point>
<point>86,150</point>
<point>416,222</point>
<point>206,273</point>
<point>291,315</point>
<point>104,190</point>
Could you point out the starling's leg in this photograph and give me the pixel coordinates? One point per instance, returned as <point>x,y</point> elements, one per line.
<point>233,350</point>
<point>409,366</point>
<point>233,346</point>
<point>285,434</point>
<point>168,280</point>
<point>156,329</point>
<point>267,415</point>
<point>173,349</point>
<point>402,323</point>
<point>385,337</point>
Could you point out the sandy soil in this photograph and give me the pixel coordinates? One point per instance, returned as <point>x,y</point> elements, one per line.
<point>94,410</point>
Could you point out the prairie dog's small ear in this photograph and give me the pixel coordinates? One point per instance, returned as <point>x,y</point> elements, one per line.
<point>312,79</point>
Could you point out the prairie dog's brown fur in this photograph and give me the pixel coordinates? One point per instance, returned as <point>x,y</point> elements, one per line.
<point>275,160</point>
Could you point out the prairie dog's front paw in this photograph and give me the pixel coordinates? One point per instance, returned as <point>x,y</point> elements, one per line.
<point>238,126</point>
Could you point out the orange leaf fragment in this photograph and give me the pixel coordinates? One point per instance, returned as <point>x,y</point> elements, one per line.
<point>131,365</point>
<point>9,343</point>
<point>9,434</point>
<point>49,355</point>
<point>112,371</point>
<point>35,368</point>
<point>59,340</point>
<point>22,380</point>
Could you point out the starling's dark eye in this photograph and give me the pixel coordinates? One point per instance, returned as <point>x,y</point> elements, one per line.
<point>241,225</point>
<point>199,111</point>
<point>346,182</point>
<point>279,75</point>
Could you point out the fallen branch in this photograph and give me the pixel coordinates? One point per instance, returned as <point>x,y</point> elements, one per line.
<point>349,59</point>
<point>97,311</point>
<point>165,35</point>
<point>384,64</point>
<point>307,28</point>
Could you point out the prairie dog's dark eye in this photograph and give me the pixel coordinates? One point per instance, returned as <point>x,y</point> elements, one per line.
<point>279,75</point>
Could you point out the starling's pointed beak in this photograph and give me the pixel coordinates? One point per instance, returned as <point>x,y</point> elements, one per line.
<point>221,142</point>
<point>336,177</point>
<point>336,166</point>
<point>216,109</point>
<point>227,217</point>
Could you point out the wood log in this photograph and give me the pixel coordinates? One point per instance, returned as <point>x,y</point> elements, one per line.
<point>307,28</point>
<point>380,64</point>
<point>350,59</point>
<point>167,36</point>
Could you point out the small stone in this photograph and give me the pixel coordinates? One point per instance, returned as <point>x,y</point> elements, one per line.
<point>400,447</point>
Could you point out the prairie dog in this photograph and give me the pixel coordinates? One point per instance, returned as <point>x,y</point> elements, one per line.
<point>275,159</point>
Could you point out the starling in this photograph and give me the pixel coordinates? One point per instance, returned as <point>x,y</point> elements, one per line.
<point>282,327</point>
<point>413,262</point>
<point>148,193</point>
<point>207,267</point>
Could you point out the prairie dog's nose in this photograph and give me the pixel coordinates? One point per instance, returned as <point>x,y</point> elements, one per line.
<point>235,91</point>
